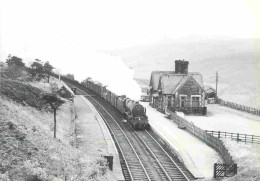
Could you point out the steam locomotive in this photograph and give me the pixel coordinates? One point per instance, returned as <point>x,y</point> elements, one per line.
<point>132,110</point>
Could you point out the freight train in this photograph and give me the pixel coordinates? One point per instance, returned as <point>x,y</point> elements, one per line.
<point>132,110</point>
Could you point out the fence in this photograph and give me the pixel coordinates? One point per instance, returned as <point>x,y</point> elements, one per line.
<point>235,136</point>
<point>224,170</point>
<point>190,110</point>
<point>73,139</point>
<point>201,134</point>
<point>205,137</point>
<point>238,107</point>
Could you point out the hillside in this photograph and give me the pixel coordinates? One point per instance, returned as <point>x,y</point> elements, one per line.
<point>28,151</point>
<point>236,60</point>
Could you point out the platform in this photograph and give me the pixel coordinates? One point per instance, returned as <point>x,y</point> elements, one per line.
<point>198,157</point>
<point>93,136</point>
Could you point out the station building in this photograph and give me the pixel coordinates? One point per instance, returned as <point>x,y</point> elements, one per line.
<point>178,90</point>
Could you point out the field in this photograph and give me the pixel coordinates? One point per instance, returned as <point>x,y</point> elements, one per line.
<point>220,118</point>
<point>236,60</point>
<point>246,155</point>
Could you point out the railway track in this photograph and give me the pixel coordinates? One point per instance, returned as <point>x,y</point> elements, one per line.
<point>143,157</point>
<point>170,163</point>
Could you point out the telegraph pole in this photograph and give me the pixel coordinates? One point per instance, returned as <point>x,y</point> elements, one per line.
<point>59,73</point>
<point>216,84</point>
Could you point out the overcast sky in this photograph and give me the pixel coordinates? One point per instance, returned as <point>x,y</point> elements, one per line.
<point>63,31</point>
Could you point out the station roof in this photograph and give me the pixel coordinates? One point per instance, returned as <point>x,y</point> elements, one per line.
<point>169,84</point>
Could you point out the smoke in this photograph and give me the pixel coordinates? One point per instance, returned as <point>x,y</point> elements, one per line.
<point>110,71</point>
<point>85,62</point>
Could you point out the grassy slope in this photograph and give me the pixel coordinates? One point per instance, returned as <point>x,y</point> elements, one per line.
<point>237,61</point>
<point>27,148</point>
<point>247,156</point>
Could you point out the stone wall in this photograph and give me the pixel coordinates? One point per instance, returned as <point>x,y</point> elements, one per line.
<point>191,87</point>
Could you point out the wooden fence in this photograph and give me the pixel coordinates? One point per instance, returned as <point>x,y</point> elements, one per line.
<point>73,138</point>
<point>230,168</point>
<point>224,170</point>
<point>190,110</point>
<point>201,134</point>
<point>238,107</point>
<point>235,136</point>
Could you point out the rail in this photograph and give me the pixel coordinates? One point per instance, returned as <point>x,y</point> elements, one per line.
<point>167,167</point>
<point>128,152</point>
<point>130,177</point>
<point>169,174</point>
<point>135,174</point>
<point>125,166</point>
<point>235,136</point>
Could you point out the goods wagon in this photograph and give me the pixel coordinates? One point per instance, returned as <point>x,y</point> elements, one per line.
<point>120,103</point>
<point>108,98</point>
<point>132,111</point>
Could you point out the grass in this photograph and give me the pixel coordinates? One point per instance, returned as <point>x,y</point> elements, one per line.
<point>22,93</point>
<point>28,150</point>
<point>247,157</point>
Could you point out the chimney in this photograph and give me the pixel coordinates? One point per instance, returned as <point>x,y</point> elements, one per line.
<point>181,67</point>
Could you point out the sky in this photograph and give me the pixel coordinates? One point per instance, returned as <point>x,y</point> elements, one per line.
<point>67,33</point>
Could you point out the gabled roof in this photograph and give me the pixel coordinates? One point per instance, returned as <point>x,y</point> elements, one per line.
<point>209,89</point>
<point>155,76</point>
<point>186,80</point>
<point>168,83</point>
<point>171,83</point>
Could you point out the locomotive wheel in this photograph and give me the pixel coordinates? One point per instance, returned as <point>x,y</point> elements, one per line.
<point>147,127</point>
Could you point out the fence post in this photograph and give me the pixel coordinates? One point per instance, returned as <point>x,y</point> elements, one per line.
<point>218,134</point>
<point>225,134</point>
<point>252,138</point>
<point>235,169</point>
<point>245,138</point>
<point>215,170</point>
<point>237,137</point>
<point>226,171</point>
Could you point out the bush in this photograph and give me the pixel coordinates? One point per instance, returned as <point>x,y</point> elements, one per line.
<point>21,93</point>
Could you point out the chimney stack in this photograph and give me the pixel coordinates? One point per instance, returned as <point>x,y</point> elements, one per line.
<point>181,67</point>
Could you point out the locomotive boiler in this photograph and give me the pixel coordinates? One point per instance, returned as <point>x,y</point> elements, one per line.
<point>136,115</point>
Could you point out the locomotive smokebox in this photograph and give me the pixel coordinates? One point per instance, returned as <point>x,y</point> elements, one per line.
<point>181,67</point>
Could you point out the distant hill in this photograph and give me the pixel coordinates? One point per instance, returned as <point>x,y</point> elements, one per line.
<point>236,60</point>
